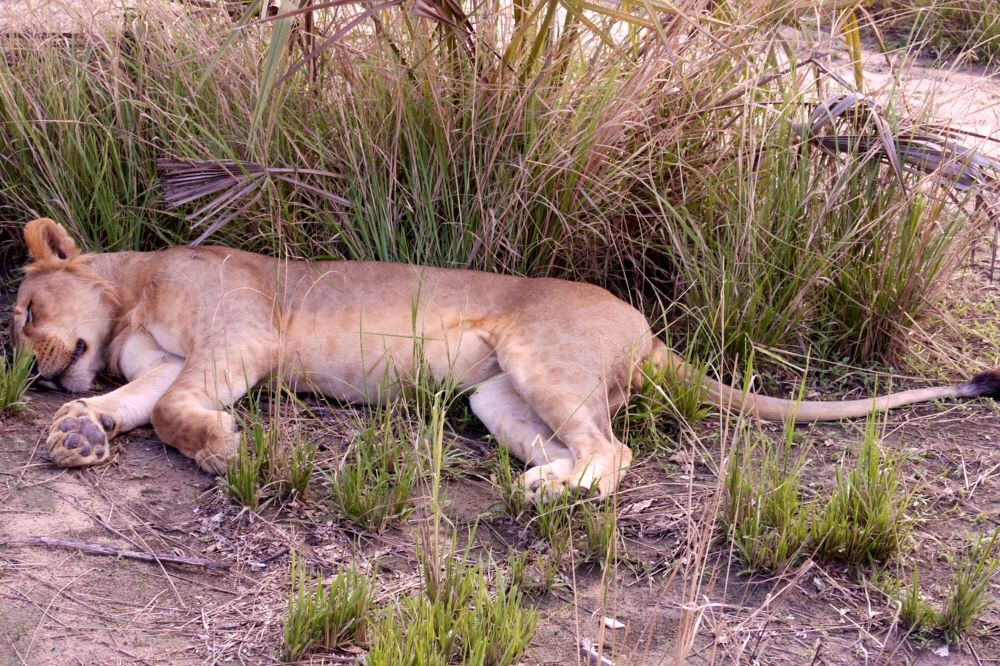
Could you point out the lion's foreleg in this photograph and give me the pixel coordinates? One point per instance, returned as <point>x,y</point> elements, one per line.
<point>81,429</point>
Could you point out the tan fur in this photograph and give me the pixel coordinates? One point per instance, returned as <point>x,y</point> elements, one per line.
<point>49,245</point>
<point>546,362</point>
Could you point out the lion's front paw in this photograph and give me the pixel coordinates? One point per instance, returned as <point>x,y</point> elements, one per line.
<point>79,435</point>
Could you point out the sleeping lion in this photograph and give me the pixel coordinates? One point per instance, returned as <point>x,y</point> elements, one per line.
<point>545,362</point>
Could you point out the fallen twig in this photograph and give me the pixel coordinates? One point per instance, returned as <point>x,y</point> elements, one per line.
<point>271,558</point>
<point>109,550</point>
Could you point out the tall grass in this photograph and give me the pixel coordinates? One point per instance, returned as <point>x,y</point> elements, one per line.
<point>659,159</point>
<point>834,256</point>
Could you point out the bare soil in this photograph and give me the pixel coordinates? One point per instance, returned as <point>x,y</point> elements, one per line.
<point>68,607</point>
<point>65,606</point>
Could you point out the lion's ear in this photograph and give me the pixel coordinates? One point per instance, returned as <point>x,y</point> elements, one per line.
<point>49,242</point>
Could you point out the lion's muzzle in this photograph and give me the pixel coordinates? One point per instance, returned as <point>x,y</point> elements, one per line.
<point>54,359</point>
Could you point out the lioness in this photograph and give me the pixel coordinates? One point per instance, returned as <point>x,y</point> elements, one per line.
<point>546,362</point>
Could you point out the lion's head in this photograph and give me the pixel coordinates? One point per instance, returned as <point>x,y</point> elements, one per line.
<point>64,311</point>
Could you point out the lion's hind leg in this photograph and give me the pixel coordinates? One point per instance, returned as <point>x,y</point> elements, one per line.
<point>522,432</point>
<point>575,402</point>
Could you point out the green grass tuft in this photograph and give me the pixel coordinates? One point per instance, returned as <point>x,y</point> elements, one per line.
<point>864,520</point>
<point>374,483</point>
<point>971,589</point>
<point>772,526</point>
<point>764,514</point>
<point>15,378</point>
<point>478,626</point>
<point>915,611</point>
<point>330,615</point>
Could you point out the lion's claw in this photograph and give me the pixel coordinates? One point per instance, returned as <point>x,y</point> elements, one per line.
<point>211,462</point>
<point>79,436</point>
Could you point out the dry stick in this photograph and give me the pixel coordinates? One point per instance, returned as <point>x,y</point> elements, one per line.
<point>271,558</point>
<point>108,550</point>
<point>170,581</point>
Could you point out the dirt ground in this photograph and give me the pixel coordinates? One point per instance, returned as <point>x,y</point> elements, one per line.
<point>68,607</point>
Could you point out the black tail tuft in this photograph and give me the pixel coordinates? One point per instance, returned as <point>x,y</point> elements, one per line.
<point>986,384</point>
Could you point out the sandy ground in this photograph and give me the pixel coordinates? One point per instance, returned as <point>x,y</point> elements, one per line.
<point>41,16</point>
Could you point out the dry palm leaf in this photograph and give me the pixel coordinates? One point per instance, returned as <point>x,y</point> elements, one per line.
<point>912,151</point>
<point>947,162</point>
<point>233,181</point>
<point>909,150</point>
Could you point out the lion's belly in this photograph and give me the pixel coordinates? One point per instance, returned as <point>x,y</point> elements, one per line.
<point>370,366</point>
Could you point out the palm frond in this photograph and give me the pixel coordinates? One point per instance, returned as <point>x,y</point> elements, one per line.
<point>234,181</point>
<point>907,149</point>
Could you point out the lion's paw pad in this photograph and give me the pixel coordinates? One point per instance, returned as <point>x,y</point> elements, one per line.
<point>79,436</point>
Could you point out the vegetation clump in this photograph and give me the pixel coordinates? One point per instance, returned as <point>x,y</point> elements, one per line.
<point>274,459</point>
<point>475,625</point>
<point>15,377</point>
<point>330,615</point>
<point>941,28</point>
<point>680,167</point>
<point>966,599</point>
<point>772,526</point>
<point>373,484</point>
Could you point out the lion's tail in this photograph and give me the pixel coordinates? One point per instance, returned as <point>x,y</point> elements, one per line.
<point>778,409</point>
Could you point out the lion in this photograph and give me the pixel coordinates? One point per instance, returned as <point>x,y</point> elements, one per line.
<point>545,362</point>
